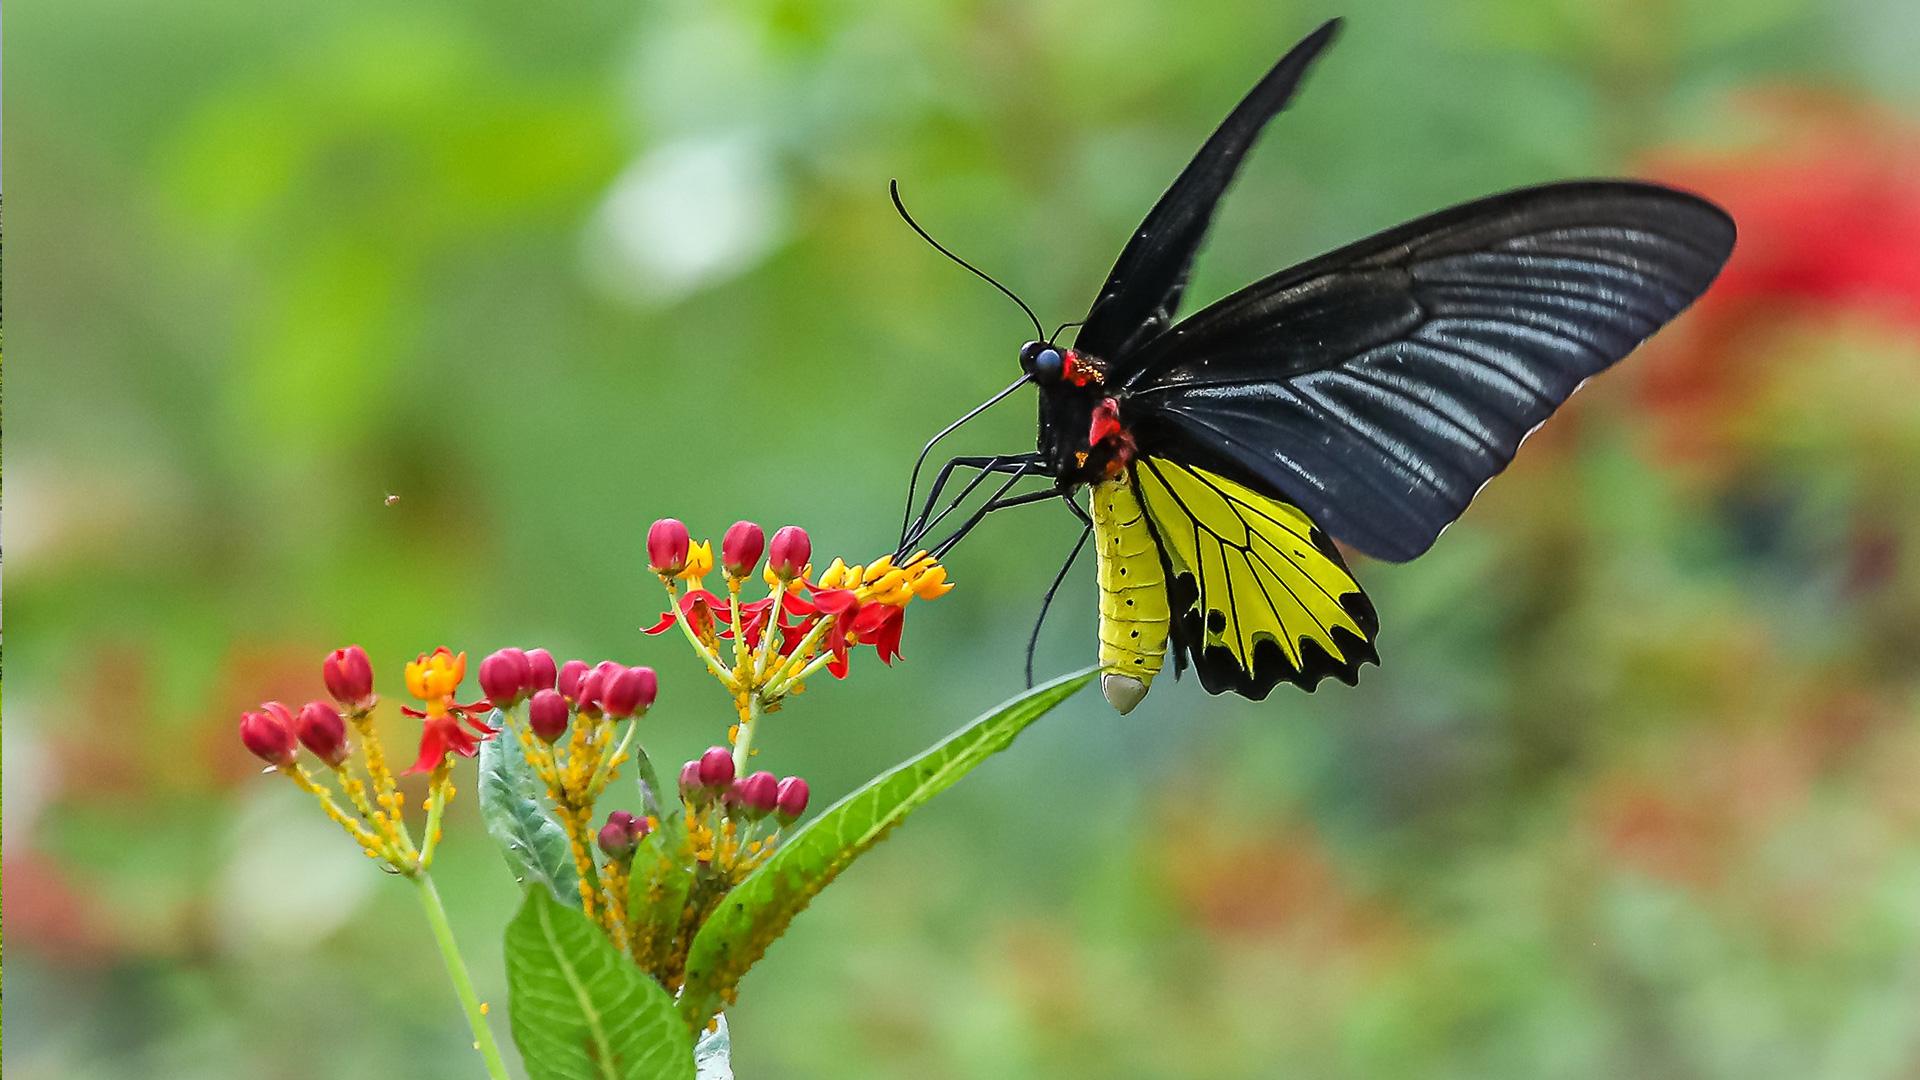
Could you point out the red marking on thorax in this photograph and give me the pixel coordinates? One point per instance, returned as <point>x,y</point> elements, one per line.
<point>1106,432</point>
<point>1078,371</point>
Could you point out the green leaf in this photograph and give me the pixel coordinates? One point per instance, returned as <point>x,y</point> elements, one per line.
<point>510,792</point>
<point>759,909</point>
<point>652,798</point>
<point>579,1009</point>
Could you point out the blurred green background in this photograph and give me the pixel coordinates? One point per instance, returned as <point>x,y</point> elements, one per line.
<point>1635,793</point>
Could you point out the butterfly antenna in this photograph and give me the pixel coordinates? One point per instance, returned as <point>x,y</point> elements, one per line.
<point>1055,336</point>
<point>893,188</point>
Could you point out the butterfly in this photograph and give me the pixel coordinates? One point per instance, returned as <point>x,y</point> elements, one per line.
<point>1363,396</point>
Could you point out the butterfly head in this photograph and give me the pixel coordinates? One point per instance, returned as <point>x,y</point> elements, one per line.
<point>1048,364</point>
<point>1044,362</point>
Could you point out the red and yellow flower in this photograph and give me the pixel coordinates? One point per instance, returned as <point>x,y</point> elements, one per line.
<point>434,678</point>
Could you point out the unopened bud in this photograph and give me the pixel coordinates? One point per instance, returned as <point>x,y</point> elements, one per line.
<point>790,800</point>
<point>630,692</point>
<point>741,547</point>
<point>754,796</point>
<point>505,677</point>
<point>540,670</point>
<point>616,836</point>
<point>716,768</point>
<point>568,679</point>
<point>349,677</point>
<point>322,732</point>
<point>691,788</point>
<point>789,553</point>
<point>547,715</point>
<point>667,543</point>
<point>268,734</point>
<point>593,685</point>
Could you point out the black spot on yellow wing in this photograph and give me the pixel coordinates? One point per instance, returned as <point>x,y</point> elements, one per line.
<point>1259,594</point>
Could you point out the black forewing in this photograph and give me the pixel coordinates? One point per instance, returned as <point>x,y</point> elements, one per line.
<point>1143,291</point>
<point>1380,386</point>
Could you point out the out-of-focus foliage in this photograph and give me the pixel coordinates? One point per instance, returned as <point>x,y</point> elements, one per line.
<point>397,322</point>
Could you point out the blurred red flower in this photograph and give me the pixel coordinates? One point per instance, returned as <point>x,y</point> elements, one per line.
<point>1827,199</point>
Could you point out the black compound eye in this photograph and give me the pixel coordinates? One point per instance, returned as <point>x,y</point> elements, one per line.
<point>1048,365</point>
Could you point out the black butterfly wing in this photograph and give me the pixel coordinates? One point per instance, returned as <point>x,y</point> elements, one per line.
<point>1143,290</point>
<point>1380,386</point>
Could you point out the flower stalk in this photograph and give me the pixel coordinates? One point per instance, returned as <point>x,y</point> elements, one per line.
<point>470,1003</point>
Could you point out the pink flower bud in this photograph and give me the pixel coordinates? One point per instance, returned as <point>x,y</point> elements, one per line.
<point>716,768</point>
<point>690,786</point>
<point>349,677</point>
<point>789,553</point>
<point>323,732</point>
<point>505,677</point>
<point>268,734</point>
<point>755,795</point>
<point>790,800</point>
<point>741,547</point>
<point>630,692</point>
<point>547,715</point>
<point>593,686</point>
<point>568,680</point>
<point>616,836</point>
<point>541,672</point>
<point>667,543</point>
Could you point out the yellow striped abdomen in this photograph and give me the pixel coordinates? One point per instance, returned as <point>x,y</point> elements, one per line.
<point>1133,594</point>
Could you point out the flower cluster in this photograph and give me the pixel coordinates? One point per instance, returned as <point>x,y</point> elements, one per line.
<point>649,879</point>
<point>568,734</point>
<point>801,627</point>
<point>376,820</point>
<point>686,863</point>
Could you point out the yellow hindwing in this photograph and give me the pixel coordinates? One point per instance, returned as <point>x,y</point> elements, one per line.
<point>1261,593</point>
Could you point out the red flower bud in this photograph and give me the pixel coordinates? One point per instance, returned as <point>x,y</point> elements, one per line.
<point>547,715</point>
<point>323,732</point>
<point>616,836</point>
<point>789,553</point>
<point>716,768</point>
<point>630,692</point>
<point>593,685</point>
<point>568,680</point>
<point>741,547</point>
<point>268,733</point>
<point>755,795</point>
<point>690,786</point>
<point>541,672</point>
<point>790,800</point>
<point>505,677</point>
<point>349,677</point>
<point>667,543</point>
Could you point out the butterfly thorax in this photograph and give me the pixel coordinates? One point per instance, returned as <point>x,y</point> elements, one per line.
<point>1083,438</point>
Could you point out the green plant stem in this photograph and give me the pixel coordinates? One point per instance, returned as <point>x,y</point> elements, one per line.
<point>598,781</point>
<point>713,662</point>
<point>457,974</point>
<point>743,746</point>
<point>436,806</point>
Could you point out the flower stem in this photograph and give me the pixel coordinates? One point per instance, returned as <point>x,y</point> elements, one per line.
<point>743,746</point>
<point>686,626</point>
<point>457,974</point>
<point>437,797</point>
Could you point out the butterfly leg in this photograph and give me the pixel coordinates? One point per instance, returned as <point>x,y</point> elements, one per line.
<point>1000,500</point>
<point>1033,640</point>
<point>983,466</point>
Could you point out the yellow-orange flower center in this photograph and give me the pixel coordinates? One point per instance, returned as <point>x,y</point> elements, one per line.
<point>435,677</point>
